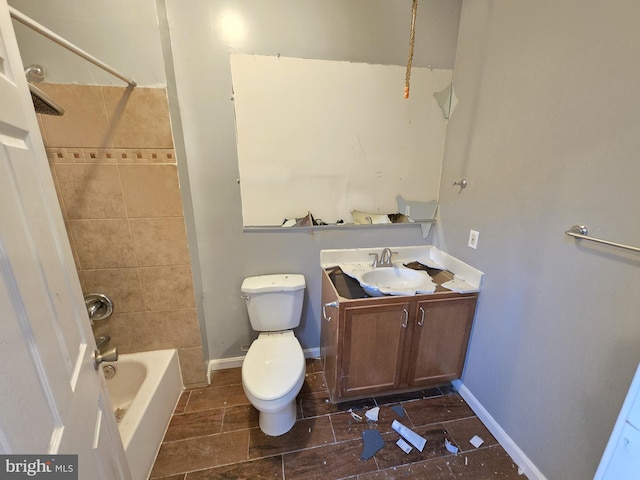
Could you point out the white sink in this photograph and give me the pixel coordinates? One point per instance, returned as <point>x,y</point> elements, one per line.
<point>398,279</point>
<point>395,280</point>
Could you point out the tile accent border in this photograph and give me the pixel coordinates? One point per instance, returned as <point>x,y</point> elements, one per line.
<point>518,456</point>
<point>111,155</point>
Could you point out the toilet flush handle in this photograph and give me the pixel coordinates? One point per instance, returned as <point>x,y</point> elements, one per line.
<point>246,297</point>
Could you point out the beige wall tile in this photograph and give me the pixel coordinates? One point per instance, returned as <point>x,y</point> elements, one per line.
<point>192,365</point>
<point>90,190</point>
<point>121,285</point>
<point>165,288</point>
<point>128,331</point>
<point>74,251</point>
<point>151,190</point>
<point>160,241</point>
<point>84,123</point>
<point>103,243</point>
<point>174,329</point>
<point>139,117</point>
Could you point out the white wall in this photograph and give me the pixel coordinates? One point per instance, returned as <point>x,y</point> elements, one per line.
<point>546,132</point>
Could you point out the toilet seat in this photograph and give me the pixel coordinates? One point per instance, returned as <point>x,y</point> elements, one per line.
<point>273,366</point>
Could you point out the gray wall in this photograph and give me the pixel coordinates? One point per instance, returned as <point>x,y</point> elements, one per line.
<point>362,31</point>
<point>546,132</point>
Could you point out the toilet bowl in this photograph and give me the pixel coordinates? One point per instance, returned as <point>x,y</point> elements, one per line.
<point>272,375</point>
<point>273,370</point>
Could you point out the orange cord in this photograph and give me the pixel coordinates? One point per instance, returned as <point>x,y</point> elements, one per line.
<point>412,38</point>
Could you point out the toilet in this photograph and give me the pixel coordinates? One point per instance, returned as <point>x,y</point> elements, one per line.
<point>273,370</point>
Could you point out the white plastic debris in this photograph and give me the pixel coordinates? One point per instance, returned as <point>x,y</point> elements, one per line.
<point>409,435</point>
<point>355,415</point>
<point>372,413</point>
<point>476,441</point>
<point>450,447</point>
<point>406,448</point>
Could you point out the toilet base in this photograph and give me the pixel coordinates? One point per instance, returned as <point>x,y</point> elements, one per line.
<point>278,423</point>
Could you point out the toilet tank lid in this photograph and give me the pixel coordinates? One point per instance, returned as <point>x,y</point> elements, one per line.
<point>273,283</point>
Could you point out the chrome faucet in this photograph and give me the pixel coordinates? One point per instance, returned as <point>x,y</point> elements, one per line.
<point>110,355</point>
<point>102,341</point>
<point>384,260</point>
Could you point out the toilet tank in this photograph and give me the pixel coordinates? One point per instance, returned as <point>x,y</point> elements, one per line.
<point>274,302</point>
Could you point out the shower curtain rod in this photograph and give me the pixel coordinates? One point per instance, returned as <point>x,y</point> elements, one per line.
<point>32,24</point>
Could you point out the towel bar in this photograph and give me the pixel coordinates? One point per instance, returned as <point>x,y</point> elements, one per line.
<point>580,231</point>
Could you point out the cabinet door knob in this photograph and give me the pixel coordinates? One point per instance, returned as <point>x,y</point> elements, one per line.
<point>406,318</point>
<point>324,309</point>
<point>421,321</point>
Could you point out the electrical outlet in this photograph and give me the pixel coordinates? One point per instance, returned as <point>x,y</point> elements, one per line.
<point>473,239</point>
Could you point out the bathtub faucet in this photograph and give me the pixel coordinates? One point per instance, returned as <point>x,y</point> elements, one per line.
<point>102,341</point>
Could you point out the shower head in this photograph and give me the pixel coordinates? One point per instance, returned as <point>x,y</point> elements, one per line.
<point>42,102</point>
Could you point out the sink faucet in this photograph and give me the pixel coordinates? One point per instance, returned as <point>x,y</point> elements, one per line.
<point>384,260</point>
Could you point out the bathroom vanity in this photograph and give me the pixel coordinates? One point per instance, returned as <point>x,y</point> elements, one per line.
<point>395,343</point>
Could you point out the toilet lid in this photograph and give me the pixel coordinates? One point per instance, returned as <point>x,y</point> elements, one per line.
<point>273,366</point>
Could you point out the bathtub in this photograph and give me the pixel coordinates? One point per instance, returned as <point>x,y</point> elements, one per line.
<point>144,392</point>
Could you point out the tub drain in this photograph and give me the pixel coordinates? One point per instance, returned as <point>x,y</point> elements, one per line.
<point>109,371</point>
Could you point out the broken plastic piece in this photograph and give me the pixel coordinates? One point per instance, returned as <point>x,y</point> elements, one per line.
<point>409,435</point>
<point>476,441</point>
<point>450,447</point>
<point>372,443</point>
<point>372,413</point>
<point>398,410</point>
<point>406,448</point>
<point>355,415</point>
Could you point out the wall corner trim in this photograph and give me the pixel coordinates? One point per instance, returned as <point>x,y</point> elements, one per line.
<point>518,456</point>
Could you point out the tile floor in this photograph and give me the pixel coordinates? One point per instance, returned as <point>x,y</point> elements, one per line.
<point>214,434</point>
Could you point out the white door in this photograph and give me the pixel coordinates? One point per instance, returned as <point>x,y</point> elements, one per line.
<point>52,400</point>
<point>621,458</point>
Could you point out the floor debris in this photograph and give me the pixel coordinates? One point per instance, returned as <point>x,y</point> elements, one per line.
<point>450,447</point>
<point>355,415</point>
<point>476,441</point>
<point>373,442</point>
<point>406,448</point>
<point>409,435</point>
<point>398,410</point>
<point>372,413</point>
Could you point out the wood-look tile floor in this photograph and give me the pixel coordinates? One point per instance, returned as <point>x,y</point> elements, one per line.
<point>214,434</point>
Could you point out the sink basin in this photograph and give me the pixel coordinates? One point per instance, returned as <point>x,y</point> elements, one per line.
<point>396,280</point>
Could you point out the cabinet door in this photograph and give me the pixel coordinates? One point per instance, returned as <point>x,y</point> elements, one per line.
<point>329,334</point>
<point>372,348</point>
<point>440,339</point>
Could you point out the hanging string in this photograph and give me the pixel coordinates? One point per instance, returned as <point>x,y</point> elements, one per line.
<point>412,39</point>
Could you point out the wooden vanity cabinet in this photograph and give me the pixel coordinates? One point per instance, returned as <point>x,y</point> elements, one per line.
<point>392,344</point>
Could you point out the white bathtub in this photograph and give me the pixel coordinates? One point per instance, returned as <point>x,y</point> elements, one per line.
<point>144,392</point>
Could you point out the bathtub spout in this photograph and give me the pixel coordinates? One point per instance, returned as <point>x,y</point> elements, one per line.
<point>110,355</point>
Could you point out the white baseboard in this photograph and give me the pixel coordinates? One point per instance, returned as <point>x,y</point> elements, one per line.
<point>518,456</point>
<point>234,362</point>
